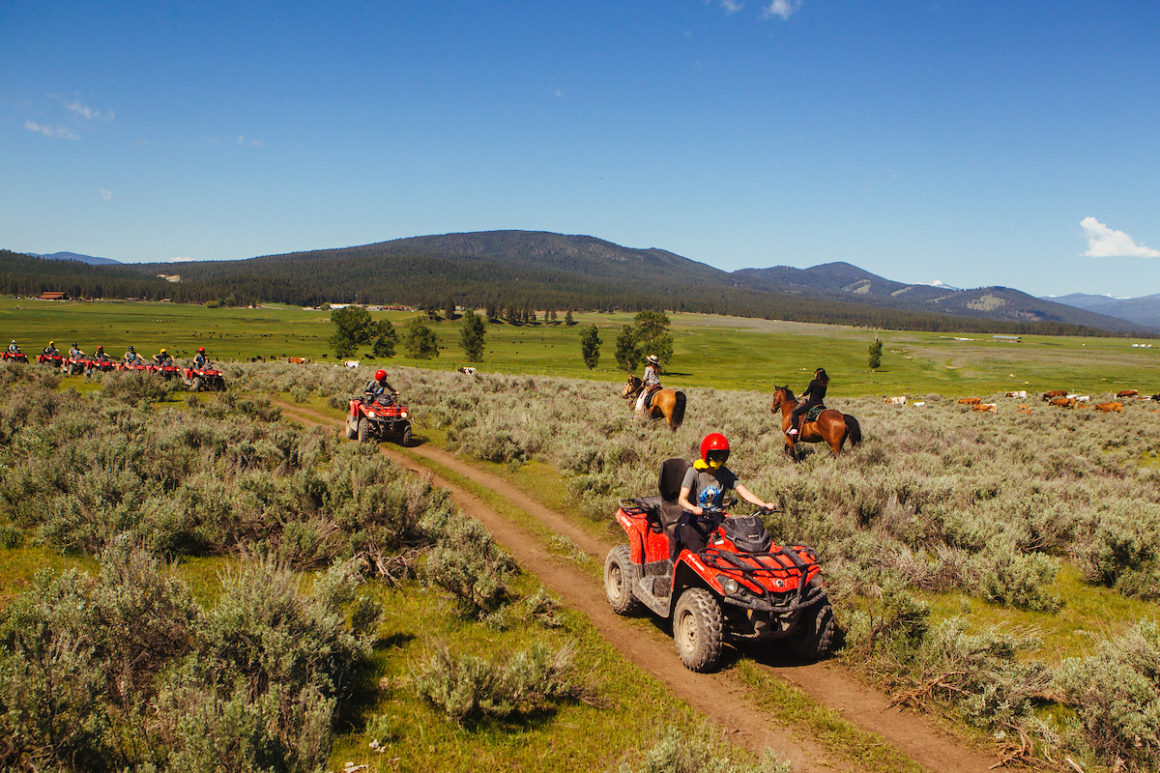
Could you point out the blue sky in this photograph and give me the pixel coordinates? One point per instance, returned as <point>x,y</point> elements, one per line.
<point>975,143</point>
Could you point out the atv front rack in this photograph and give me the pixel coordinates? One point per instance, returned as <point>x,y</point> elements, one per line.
<point>751,567</point>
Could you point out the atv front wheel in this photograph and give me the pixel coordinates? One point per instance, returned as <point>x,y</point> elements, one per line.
<point>351,430</point>
<point>195,384</point>
<point>698,630</point>
<point>364,430</point>
<point>620,575</point>
<point>405,439</point>
<point>816,637</point>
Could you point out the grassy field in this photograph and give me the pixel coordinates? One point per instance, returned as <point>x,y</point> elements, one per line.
<point>709,351</point>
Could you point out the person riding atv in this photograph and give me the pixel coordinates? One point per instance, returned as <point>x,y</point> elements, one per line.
<point>702,494</point>
<point>51,350</point>
<point>131,357</point>
<point>379,390</point>
<point>162,358</point>
<point>200,361</point>
<point>651,382</point>
<point>99,355</point>
<point>13,348</point>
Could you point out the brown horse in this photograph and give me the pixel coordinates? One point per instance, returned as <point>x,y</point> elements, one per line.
<point>832,427</point>
<point>668,404</point>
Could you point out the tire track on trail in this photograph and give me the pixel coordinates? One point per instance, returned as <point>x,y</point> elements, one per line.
<point>718,696</point>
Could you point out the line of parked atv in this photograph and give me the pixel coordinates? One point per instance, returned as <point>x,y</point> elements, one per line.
<point>196,379</point>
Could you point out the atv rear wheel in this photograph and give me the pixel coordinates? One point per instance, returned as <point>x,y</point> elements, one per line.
<point>620,575</point>
<point>698,630</point>
<point>405,439</point>
<point>364,430</point>
<point>195,384</point>
<point>815,640</point>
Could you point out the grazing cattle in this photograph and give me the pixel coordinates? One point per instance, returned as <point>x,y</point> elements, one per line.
<point>1062,402</point>
<point>468,370</point>
<point>1081,398</point>
<point>970,400</point>
<point>1109,407</point>
<point>1156,397</point>
<point>900,400</point>
<point>1053,393</point>
<point>297,360</point>
<point>1025,409</point>
<point>1020,395</point>
<point>1127,393</point>
<point>352,364</point>
<point>984,407</point>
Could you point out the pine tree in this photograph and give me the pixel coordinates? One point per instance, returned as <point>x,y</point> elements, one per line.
<point>471,336</point>
<point>590,346</point>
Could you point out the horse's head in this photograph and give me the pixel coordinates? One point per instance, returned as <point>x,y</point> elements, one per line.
<point>781,396</point>
<point>631,387</point>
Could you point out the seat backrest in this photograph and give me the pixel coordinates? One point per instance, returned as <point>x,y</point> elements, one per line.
<point>672,474</point>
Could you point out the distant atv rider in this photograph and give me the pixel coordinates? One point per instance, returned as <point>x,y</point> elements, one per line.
<point>379,391</point>
<point>815,395</point>
<point>650,383</point>
<point>130,357</point>
<point>703,492</point>
<point>162,358</point>
<point>14,348</point>
<point>200,361</point>
<point>51,349</point>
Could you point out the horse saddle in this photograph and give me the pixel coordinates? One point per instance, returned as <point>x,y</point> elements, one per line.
<point>649,395</point>
<point>813,413</point>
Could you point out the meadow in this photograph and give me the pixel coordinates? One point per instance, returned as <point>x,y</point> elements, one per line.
<point>998,568</point>
<point>709,351</point>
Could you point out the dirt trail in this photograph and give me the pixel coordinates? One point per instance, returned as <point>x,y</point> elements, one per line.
<point>715,695</point>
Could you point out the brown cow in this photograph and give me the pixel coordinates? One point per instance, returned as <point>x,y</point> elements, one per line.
<point>1025,409</point>
<point>970,400</point>
<point>1127,393</point>
<point>1109,407</point>
<point>984,407</point>
<point>296,360</point>
<point>1054,393</point>
<point>1062,402</point>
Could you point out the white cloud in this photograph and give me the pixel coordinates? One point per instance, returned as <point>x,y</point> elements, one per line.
<point>106,194</point>
<point>732,6</point>
<point>1105,242</point>
<point>84,111</point>
<point>55,132</point>
<point>250,143</point>
<point>782,9</point>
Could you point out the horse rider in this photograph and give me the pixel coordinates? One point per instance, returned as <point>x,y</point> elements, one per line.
<point>378,390</point>
<point>703,491</point>
<point>200,361</point>
<point>50,350</point>
<point>162,358</point>
<point>815,394</point>
<point>650,383</point>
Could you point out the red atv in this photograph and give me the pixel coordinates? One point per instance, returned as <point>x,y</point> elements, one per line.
<point>168,370</point>
<point>14,356</point>
<point>55,360</point>
<point>376,419</point>
<point>97,365</point>
<point>137,366</point>
<point>209,378</point>
<point>74,366</point>
<point>741,587</point>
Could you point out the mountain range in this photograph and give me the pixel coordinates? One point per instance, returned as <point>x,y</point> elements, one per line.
<point>566,271</point>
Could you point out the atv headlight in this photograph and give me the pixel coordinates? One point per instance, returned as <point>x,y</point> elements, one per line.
<point>402,414</point>
<point>731,586</point>
<point>370,414</point>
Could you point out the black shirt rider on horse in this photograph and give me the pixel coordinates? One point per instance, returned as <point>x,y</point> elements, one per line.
<point>815,395</point>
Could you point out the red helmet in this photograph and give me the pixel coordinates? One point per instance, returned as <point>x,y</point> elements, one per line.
<point>380,375</point>
<point>715,447</point>
<point>201,350</point>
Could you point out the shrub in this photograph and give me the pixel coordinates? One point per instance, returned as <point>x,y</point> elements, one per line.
<point>466,562</point>
<point>1116,695</point>
<point>471,689</point>
<point>702,752</point>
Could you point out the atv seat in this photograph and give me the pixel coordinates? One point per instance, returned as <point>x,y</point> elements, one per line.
<point>663,510</point>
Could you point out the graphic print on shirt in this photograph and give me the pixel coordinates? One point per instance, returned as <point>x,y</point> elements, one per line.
<point>710,496</point>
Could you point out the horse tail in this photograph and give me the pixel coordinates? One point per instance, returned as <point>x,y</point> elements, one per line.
<point>855,429</point>
<point>678,409</point>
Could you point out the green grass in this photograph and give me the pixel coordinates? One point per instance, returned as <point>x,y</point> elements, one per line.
<point>20,564</point>
<point>713,351</point>
<point>1090,615</point>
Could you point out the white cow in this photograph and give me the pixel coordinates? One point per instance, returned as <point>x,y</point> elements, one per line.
<point>900,400</point>
<point>352,364</point>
